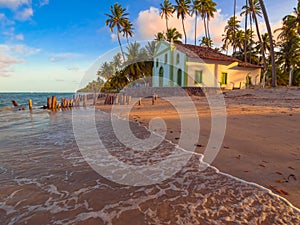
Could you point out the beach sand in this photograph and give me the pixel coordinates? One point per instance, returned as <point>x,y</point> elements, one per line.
<point>261,143</point>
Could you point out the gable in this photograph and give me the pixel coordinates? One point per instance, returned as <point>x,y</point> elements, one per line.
<point>162,48</point>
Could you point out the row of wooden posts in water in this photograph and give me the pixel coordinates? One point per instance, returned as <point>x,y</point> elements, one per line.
<point>110,99</point>
<point>121,99</point>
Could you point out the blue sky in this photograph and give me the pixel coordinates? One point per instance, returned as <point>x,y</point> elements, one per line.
<point>48,45</point>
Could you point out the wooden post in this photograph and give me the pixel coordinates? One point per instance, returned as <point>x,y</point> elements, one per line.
<point>140,101</point>
<point>70,103</point>
<point>111,100</point>
<point>153,99</point>
<point>77,101</point>
<point>54,102</point>
<point>129,100</point>
<point>65,103</point>
<point>49,103</point>
<point>62,103</point>
<point>84,100</point>
<point>30,104</point>
<point>95,99</point>
<point>125,99</point>
<point>14,102</point>
<point>117,100</point>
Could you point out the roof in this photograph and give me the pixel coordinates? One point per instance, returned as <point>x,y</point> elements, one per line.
<point>193,51</point>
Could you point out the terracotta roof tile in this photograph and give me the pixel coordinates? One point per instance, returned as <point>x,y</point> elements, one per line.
<point>193,51</point>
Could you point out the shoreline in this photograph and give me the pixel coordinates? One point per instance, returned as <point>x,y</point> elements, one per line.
<point>243,159</point>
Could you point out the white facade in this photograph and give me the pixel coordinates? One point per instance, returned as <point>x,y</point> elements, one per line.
<point>170,64</point>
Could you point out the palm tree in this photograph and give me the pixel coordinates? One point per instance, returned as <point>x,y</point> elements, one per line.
<point>202,12</point>
<point>135,61</point>
<point>167,10</point>
<point>230,32</point>
<point>253,9</point>
<point>293,21</point>
<point>206,42</point>
<point>117,60</point>
<point>159,36</point>
<point>182,8</point>
<point>195,9</point>
<point>207,8</point>
<point>118,18</point>
<point>173,35</point>
<point>265,14</point>
<point>289,45</point>
<point>150,49</point>
<point>210,10</point>
<point>107,70</point>
<point>127,30</point>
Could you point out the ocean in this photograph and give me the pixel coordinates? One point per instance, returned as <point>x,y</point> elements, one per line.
<point>45,177</point>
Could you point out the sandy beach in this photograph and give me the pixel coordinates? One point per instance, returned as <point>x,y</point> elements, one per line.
<point>261,143</point>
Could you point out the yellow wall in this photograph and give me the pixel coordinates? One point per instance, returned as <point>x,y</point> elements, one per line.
<point>212,71</point>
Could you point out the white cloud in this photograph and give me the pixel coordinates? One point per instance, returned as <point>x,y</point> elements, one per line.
<point>19,37</point>
<point>114,37</point>
<point>12,55</point>
<point>74,68</point>
<point>58,57</point>
<point>14,4</point>
<point>24,14</point>
<point>6,65</point>
<point>149,23</point>
<point>19,50</point>
<point>4,21</point>
<point>44,2</point>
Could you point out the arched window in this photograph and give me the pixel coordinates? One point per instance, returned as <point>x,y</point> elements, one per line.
<point>179,77</point>
<point>161,76</point>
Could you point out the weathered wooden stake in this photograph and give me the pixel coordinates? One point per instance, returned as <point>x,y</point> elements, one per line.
<point>140,101</point>
<point>30,104</point>
<point>95,99</point>
<point>65,103</point>
<point>129,100</point>
<point>49,103</point>
<point>84,100</point>
<point>153,99</point>
<point>70,103</point>
<point>77,101</point>
<point>117,100</point>
<point>54,102</point>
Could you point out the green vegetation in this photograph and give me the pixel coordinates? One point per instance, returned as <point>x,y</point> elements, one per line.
<point>279,59</point>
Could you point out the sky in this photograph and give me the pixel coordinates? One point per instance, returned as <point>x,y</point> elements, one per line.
<point>51,45</point>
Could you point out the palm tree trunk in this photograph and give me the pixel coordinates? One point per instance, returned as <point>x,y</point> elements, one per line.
<point>208,33</point>
<point>196,16</point>
<point>260,41</point>
<point>245,38</point>
<point>264,11</point>
<point>234,11</point>
<point>121,46</point>
<point>205,29</point>
<point>251,30</point>
<point>167,24</point>
<point>183,30</point>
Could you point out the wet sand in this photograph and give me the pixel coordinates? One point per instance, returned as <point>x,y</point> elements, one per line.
<point>261,143</point>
